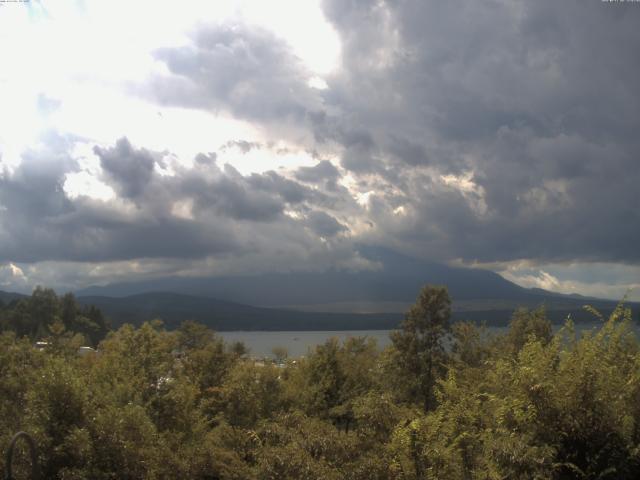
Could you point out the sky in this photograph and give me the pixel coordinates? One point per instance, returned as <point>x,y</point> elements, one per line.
<point>147,139</point>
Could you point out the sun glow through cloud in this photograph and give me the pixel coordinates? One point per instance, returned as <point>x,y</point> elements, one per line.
<point>69,52</point>
<point>348,122</point>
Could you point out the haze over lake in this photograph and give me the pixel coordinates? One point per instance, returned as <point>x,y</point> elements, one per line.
<point>298,343</point>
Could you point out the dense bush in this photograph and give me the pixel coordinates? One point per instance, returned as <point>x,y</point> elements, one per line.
<point>443,401</point>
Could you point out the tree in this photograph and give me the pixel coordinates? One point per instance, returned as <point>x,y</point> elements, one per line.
<point>528,325</point>
<point>470,346</point>
<point>238,349</point>
<point>324,379</point>
<point>193,336</point>
<point>418,346</point>
<point>35,317</point>
<point>250,392</point>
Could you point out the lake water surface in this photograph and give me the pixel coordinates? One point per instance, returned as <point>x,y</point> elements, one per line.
<point>298,343</point>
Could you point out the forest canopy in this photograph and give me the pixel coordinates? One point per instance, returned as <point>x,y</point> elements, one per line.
<point>44,314</point>
<point>444,400</point>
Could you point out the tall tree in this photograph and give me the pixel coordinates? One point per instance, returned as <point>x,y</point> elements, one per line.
<point>418,345</point>
<point>527,325</point>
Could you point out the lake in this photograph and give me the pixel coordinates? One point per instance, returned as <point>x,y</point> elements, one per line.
<point>298,343</point>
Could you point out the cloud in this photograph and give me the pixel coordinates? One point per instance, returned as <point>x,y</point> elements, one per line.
<point>487,132</point>
<point>597,286</point>
<point>196,211</point>
<point>243,145</point>
<point>535,102</point>
<point>323,224</point>
<point>324,170</point>
<point>407,151</point>
<point>247,71</point>
<point>232,198</point>
<point>288,190</point>
<point>128,170</point>
<point>12,276</point>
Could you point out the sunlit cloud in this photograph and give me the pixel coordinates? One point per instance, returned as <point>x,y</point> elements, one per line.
<point>137,137</point>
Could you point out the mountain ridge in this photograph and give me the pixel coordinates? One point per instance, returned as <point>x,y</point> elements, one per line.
<point>397,281</point>
<point>174,308</point>
<point>329,300</point>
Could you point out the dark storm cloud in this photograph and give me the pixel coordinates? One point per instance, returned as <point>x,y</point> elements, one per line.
<point>323,224</point>
<point>31,195</point>
<point>529,110</point>
<point>537,101</point>
<point>127,169</point>
<point>249,71</point>
<point>290,191</point>
<point>257,197</point>
<point>35,189</point>
<point>40,222</point>
<point>232,198</point>
<point>324,170</point>
<point>466,69</point>
<point>407,151</point>
<point>95,233</point>
<point>489,131</point>
<point>200,211</point>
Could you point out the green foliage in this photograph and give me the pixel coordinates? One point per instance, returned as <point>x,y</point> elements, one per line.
<point>153,404</point>
<point>250,392</point>
<point>526,325</point>
<point>325,378</point>
<point>555,410</point>
<point>418,354</point>
<point>330,381</point>
<point>44,314</point>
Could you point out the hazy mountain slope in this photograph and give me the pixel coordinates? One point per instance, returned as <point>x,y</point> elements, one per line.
<point>6,297</point>
<point>391,288</point>
<point>175,308</point>
<point>398,279</point>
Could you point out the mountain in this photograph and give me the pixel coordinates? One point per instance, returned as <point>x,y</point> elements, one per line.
<point>175,308</point>
<point>330,300</point>
<point>6,297</point>
<point>391,288</point>
<point>398,279</point>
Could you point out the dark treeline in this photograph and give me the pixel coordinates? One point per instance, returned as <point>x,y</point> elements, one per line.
<point>44,315</point>
<point>158,404</point>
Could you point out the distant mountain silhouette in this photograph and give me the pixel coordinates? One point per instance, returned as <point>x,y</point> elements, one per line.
<point>6,297</point>
<point>394,285</point>
<point>399,280</point>
<point>175,308</point>
<point>332,299</point>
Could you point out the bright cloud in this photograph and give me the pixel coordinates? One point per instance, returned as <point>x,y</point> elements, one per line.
<point>71,53</point>
<point>139,138</point>
<point>597,280</point>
